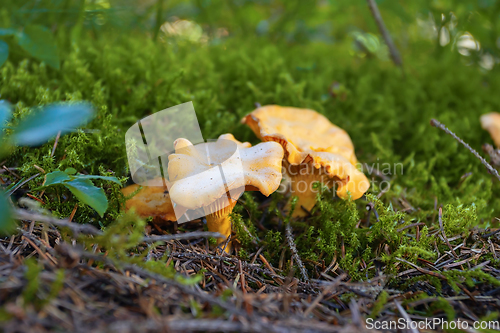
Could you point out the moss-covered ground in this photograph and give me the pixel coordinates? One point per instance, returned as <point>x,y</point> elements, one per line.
<point>392,235</point>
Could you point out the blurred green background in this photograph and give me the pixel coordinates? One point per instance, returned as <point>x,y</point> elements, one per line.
<point>133,58</point>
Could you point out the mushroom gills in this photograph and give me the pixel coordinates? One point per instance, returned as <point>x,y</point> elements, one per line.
<point>302,186</point>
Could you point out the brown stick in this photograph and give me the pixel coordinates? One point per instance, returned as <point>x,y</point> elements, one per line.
<point>22,184</point>
<point>395,56</point>
<point>405,315</point>
<point>491,169</point>
<point>75,228</point>
<point>187,235</point>
<point>327,290</point>
<point>410,226</point>
<point>55,144</point>
<point>266,263</point>
<point>295,254</point>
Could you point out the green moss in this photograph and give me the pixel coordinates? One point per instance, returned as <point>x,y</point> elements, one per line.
<point>457,219</point>
<point>128,76</point>
<point>471,278</point>
<point>33,270</point>
<point>379,304</point>
<point>273,242</point>
<point>244,229</point>
<point>442,305</point>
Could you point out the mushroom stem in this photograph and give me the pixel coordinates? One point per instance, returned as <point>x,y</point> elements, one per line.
<point>218,219</point>
<point>302,180</point>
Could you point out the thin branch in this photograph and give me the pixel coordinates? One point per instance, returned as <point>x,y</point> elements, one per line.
<point>188,235</point>
<point>418,224</point>
<point>75,228</point>
<point>55,144</point>
<point>88,229</point>
<point>327,290</point>
<point>491,169</point>
<point>396,57</point>
<point>22,184</point>
<point>355,313</point>
<point>423,270</point>
<point>159,19</point>
<point>405,315</point>
<point>295,254</point>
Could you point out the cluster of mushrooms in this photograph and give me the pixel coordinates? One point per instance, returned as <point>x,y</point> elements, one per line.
<point>299,145</point>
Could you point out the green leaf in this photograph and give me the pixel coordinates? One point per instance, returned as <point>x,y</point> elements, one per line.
<point>56,177</point>
<point>4,52</point>
<point>59,177</point>
<point>7,32</point>
<point>86,192</point>
<point>41,125</point>
<point>5,113</point>
<point>82,187</point>
<point>40,43</point>
<point>7,224</point>
<point>113,179</point>
<point>70,171</point>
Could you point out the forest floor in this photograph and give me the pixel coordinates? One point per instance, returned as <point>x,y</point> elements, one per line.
<point>50,283</point>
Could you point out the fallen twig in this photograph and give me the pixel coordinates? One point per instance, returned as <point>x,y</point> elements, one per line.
<point>55,144</point>
<point>327,289</point>
<point>75,228</point>
<point>22,184</point>
<point>405,315</point>
<point>295,254</point>
<point>396,57</point>
<point>187,235</point>
<point>491,169</point>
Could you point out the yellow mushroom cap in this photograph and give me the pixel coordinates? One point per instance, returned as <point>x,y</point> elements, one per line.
<point>491,123</point>
<point>196,171</point>
<point>351,179</point>
<point>309,137</point>
<point>300,131</point>
<point>231,137</point>
<point>150,201</point>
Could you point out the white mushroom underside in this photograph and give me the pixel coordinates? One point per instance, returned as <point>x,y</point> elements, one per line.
<point>198,183</point>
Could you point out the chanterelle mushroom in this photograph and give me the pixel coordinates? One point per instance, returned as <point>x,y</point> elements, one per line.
<point>491,123</point>
<point>315,151</point>
<point>150,201</point>
<point>213,176</point>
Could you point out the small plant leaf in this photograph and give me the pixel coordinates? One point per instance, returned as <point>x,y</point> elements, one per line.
<point>6,222</point>
<point>89,194</point>
<point>40,43</point>
<point>41,125</point>
<point>56,177</point>
<point>70,171</point>
<point>113,179</point>
<point>7,32</point>
<point>59,177</point>
<point>82,187</point>
<point>5,113</point>
<point>4,52</point>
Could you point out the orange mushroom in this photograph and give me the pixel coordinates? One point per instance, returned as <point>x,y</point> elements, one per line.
<point>491,123</point>
<point>214,175</point>
<point>150,201</point>
<point>315,151</point>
